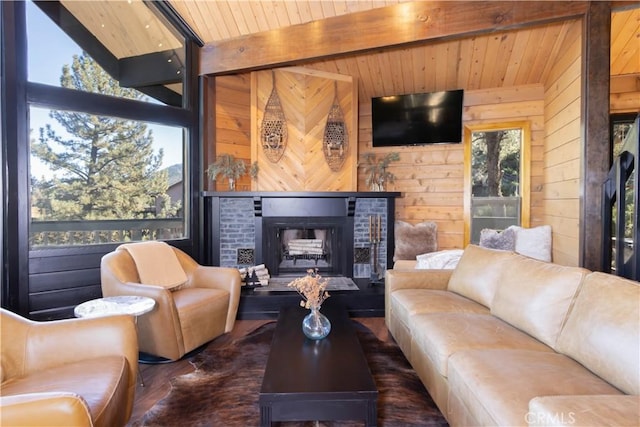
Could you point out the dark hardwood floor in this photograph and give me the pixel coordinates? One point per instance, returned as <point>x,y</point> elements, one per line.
<point>156,376</point>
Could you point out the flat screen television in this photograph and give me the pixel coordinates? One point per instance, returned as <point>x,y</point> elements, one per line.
<point>419,118</point>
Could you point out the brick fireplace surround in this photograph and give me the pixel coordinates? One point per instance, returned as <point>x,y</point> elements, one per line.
<point>237,223</point>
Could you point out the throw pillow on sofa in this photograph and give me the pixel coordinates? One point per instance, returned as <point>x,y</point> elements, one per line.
<point>534,242</point>
<point>503,240</point>
<point>441,260</point>
<point>413,240</point>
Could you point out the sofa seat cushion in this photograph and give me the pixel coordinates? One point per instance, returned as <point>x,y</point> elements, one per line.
<point>408,302</point>
<point>203,314</point>
<point>594,410</point>
<point>495,386</point>
<point>442,334</point>
<point>101,382</point>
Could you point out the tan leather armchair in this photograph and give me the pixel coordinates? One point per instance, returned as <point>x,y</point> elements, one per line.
<point>184,319</point>
<point>74,372</point>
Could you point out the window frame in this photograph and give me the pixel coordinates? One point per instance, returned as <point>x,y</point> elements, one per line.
<point>43,284</point>
<point>60,98</point>
<point>525,170</point>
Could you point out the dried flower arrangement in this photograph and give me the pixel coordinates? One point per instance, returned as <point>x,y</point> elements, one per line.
<point>312,288</point>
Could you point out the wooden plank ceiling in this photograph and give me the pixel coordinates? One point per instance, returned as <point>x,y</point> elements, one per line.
<point>497,59</point>
<point>502,59</point>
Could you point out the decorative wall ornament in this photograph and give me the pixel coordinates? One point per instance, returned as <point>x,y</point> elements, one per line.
<point>336,140</point>
<point>273,132</point>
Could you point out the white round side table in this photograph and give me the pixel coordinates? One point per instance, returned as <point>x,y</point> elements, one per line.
<point>110,306</point>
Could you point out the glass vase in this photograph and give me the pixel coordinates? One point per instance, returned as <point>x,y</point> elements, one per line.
<point>316,325</point>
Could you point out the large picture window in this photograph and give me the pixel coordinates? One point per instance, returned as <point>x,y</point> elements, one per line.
<point>110,177</point>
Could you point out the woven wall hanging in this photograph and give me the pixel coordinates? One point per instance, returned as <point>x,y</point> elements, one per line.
<point>336,141</point>
<point>273,132</point>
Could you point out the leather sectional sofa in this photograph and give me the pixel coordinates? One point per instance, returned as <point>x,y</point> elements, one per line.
<point>507,340</point>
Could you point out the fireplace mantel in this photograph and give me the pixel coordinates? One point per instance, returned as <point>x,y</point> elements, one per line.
<point>244,211</point>
<point>304,194</point>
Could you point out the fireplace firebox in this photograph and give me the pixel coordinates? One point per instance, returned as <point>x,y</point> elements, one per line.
<point>300,234</point>
<point>293,245</point>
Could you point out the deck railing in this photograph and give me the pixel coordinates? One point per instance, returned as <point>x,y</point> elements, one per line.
<point>46,234</point>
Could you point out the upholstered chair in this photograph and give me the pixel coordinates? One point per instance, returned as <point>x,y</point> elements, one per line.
<point>73,372</point>
<point>194,303</point>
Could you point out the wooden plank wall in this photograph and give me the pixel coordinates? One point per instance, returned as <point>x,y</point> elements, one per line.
<point>563,150</point>
<point>306,97</point>
<point>232,125</point>
<point>431,177</point>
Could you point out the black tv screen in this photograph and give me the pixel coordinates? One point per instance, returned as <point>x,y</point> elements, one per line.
<point>419,118</point>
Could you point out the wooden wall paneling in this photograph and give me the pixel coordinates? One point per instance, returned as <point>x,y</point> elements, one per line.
<point>562,146</point>
<point>208,128</point>
<point>306,96</point>
<point>527,49</point>
<point>431,177</point>
<point>570,84</point>
<point>232,120</point>
<point>560,171</point>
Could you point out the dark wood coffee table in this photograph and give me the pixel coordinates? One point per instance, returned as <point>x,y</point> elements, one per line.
<point>323,380</point>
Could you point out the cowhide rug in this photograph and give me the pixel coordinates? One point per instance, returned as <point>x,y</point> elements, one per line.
<point>224,388</point>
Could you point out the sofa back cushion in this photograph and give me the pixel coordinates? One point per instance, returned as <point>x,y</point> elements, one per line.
<point>477,273</point>
<point>603,330</point>
<point>535,296</point>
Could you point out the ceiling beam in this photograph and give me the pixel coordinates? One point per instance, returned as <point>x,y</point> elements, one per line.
<point>156,68</point>
<point>401,24</point>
